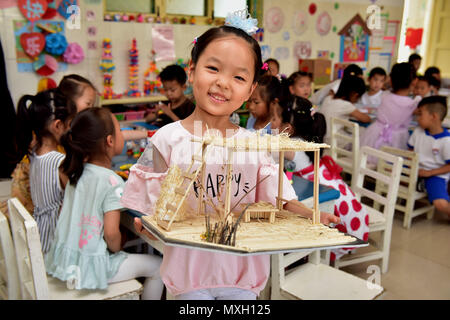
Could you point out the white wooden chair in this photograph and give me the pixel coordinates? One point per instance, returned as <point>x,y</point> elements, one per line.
<point>34,283</point>
<point>9,278</point>
<point>379,221</point>
<point>316,281</point>
<point>407,189</point>
<point>344,149</point>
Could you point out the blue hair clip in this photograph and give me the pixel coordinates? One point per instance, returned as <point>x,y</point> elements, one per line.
<point>241,19</point>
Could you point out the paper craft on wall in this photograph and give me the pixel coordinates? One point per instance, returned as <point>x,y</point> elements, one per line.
<point>323,24</point>
<point>33,10</point>
<point>312,8</point>
<point>259,35</point>
<point>354,40</point>
<point>286,36</point>
<point>413,37</point>
<point>300,23</point>
<point>32,43</point>
<point>64,8</point>
<point>274,19</point>
<point>163,43</point>
<point>302,49</point>
<point>266,51</point>
<point>24,59</point>
<point>281,53</point>
<point>323,54</point>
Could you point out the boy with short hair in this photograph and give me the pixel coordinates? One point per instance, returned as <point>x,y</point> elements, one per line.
<point>173,78</point>
<point>432,143</point>
<point>371,99</point>
<point>422,87</point>
<point>415,60</point>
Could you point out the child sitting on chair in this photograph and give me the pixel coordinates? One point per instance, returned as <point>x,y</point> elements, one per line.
<point>173,79</point>
<point>371,99</point>
<point>296,116</point>
<point>432,142</point>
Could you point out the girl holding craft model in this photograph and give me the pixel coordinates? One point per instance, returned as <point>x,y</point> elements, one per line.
<point>221,83</point>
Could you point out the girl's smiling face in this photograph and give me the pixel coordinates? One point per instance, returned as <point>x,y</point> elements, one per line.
<point>222,79</point>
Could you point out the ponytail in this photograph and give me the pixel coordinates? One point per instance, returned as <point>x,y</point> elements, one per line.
<point>307,124</point>
<point>24,129</point>
<point>34,115</point>
<point>85,140</point>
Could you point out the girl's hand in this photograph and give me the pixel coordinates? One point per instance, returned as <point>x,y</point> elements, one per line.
<point>140,229</point>
<point>327,218</point>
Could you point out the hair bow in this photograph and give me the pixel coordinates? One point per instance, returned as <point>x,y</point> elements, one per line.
<point>265,66</point>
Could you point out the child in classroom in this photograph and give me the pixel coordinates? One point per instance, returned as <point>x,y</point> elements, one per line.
<point>296,116</point>
<point>415,60</point>
<point>173,78</point>
<point>426,86</point>
<point>330,89</point>
<point>221,83</point>
<point>341,105</point>
<point>299,84</point>
<point>395,112</point>
<point>273,67</point>
<point>371,99</point>
<point>41,121</point>
<point>79,90</point>
<point>87,234</point>
<point>432,143</point>
<point>266,94</point>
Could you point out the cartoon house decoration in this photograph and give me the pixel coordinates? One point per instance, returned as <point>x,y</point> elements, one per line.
<point>174,222</point>
<point>355,40</point>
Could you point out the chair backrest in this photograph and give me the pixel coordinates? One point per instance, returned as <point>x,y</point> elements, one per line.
<point>410,168</point>
<point>9,278</point>
<point>30,262</point>
<point>389,177</point>
<point>344,147</point>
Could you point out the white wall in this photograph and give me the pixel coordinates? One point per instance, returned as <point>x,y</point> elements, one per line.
<point>122,33</point>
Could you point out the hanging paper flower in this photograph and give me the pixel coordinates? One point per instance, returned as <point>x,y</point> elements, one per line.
<point>55,43</point>
<point>45,65</point>
<point>74,53</point>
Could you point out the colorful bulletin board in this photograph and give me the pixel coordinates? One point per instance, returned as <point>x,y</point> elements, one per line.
<point>24,62</point>
<point>383,43</point>
<point>355,40</point>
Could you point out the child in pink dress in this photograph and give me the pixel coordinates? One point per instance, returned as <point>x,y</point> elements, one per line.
<point>221,83</point>
<point>394,113</point>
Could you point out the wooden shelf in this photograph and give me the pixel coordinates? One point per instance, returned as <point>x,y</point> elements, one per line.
<point>133,100</point>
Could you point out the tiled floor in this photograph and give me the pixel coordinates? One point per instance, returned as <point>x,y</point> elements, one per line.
<point>419,266</point>
<point>419,263</point>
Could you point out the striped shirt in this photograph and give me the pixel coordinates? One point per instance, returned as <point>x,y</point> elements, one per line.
<point>46,193</point>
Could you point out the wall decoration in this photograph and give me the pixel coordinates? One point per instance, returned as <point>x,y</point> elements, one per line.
<point>266,52</point>
<point>302,49</point>
<point>46,84</point>
<point>336,5</point>
<point>92,31</point>
<point>51,12</point>
<point>300,23</point>
<point>323,24</point>
<point>323,54</point>
<point>274,19</point>
<point>92,45</point>
<point>355,40</point>
<point>8,4</point>
<point>74,53</point>
<point>413,37</point>
<point>32,43</point>
<point>286,35</point>
<point>33,10</point>
<point>312,8</point>
<point>64,8</point>
<point>281,53</point>
<point>24,61</point>
<point>55,43</point>
<point>90,15</point>
<point>45,65</point>
<point>163,43</point>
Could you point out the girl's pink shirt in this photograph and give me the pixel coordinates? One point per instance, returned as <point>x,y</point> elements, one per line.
<point>184,270</point>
